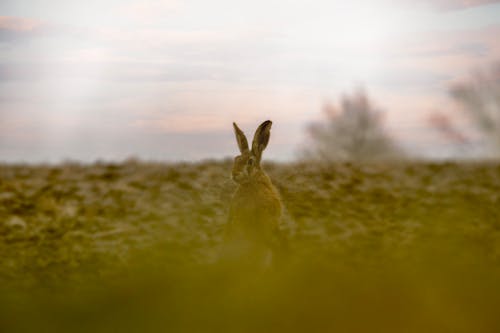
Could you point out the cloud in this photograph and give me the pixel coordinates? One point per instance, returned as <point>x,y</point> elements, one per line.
<point>20,29</point>
<point>459,4</point>
<point>17,28</point>
<point>123,71</point>
<point>18,23</point>
<point>449,54</point>
<point>149,11</point>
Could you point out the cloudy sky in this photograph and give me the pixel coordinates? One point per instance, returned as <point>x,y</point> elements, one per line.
<point>164,79</point>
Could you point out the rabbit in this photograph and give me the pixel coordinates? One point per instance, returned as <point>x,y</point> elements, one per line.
<point>255,210</point>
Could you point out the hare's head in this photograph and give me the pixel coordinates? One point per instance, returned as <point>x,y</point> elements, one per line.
<point>248,163</point>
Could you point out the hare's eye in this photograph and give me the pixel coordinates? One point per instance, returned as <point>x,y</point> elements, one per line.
<point>250,161</point>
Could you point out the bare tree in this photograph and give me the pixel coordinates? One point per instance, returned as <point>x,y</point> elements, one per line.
<point>479,101</point>
<point>353,132</point>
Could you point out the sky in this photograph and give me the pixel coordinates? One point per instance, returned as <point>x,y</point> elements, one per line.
<point>165,79</point>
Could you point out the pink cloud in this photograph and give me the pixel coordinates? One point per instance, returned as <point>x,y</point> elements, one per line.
<point>460,4</point>
<point>450,55</point>
<point>445,5</point>
<point>19,24</point>
<point>14,29</point>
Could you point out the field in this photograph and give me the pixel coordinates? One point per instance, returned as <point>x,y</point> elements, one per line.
<point>404,247</point>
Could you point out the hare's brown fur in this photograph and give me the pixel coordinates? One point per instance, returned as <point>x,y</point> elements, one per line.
<point>256,208</point>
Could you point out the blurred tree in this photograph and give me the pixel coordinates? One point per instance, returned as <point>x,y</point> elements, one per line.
<point>444,124</point>
<point>479,101</point>
<point>353,132</point>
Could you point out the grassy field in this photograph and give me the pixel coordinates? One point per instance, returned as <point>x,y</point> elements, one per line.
<point>134,247</point>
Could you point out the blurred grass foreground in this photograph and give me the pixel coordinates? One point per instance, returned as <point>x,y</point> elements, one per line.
<point>134,247</point>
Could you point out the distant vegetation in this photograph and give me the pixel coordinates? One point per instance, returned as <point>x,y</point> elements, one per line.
<point>134,247</point>
<point>479,101</point>
<point>352,132</point>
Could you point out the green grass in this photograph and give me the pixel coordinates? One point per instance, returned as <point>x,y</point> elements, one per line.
<point>408,247</point>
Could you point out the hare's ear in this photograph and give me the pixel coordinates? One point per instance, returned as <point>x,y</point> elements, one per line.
<point>240,138</point>
<point>261,138</point>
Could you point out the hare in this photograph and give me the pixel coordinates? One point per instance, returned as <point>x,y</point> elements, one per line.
<point>256,208</point>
